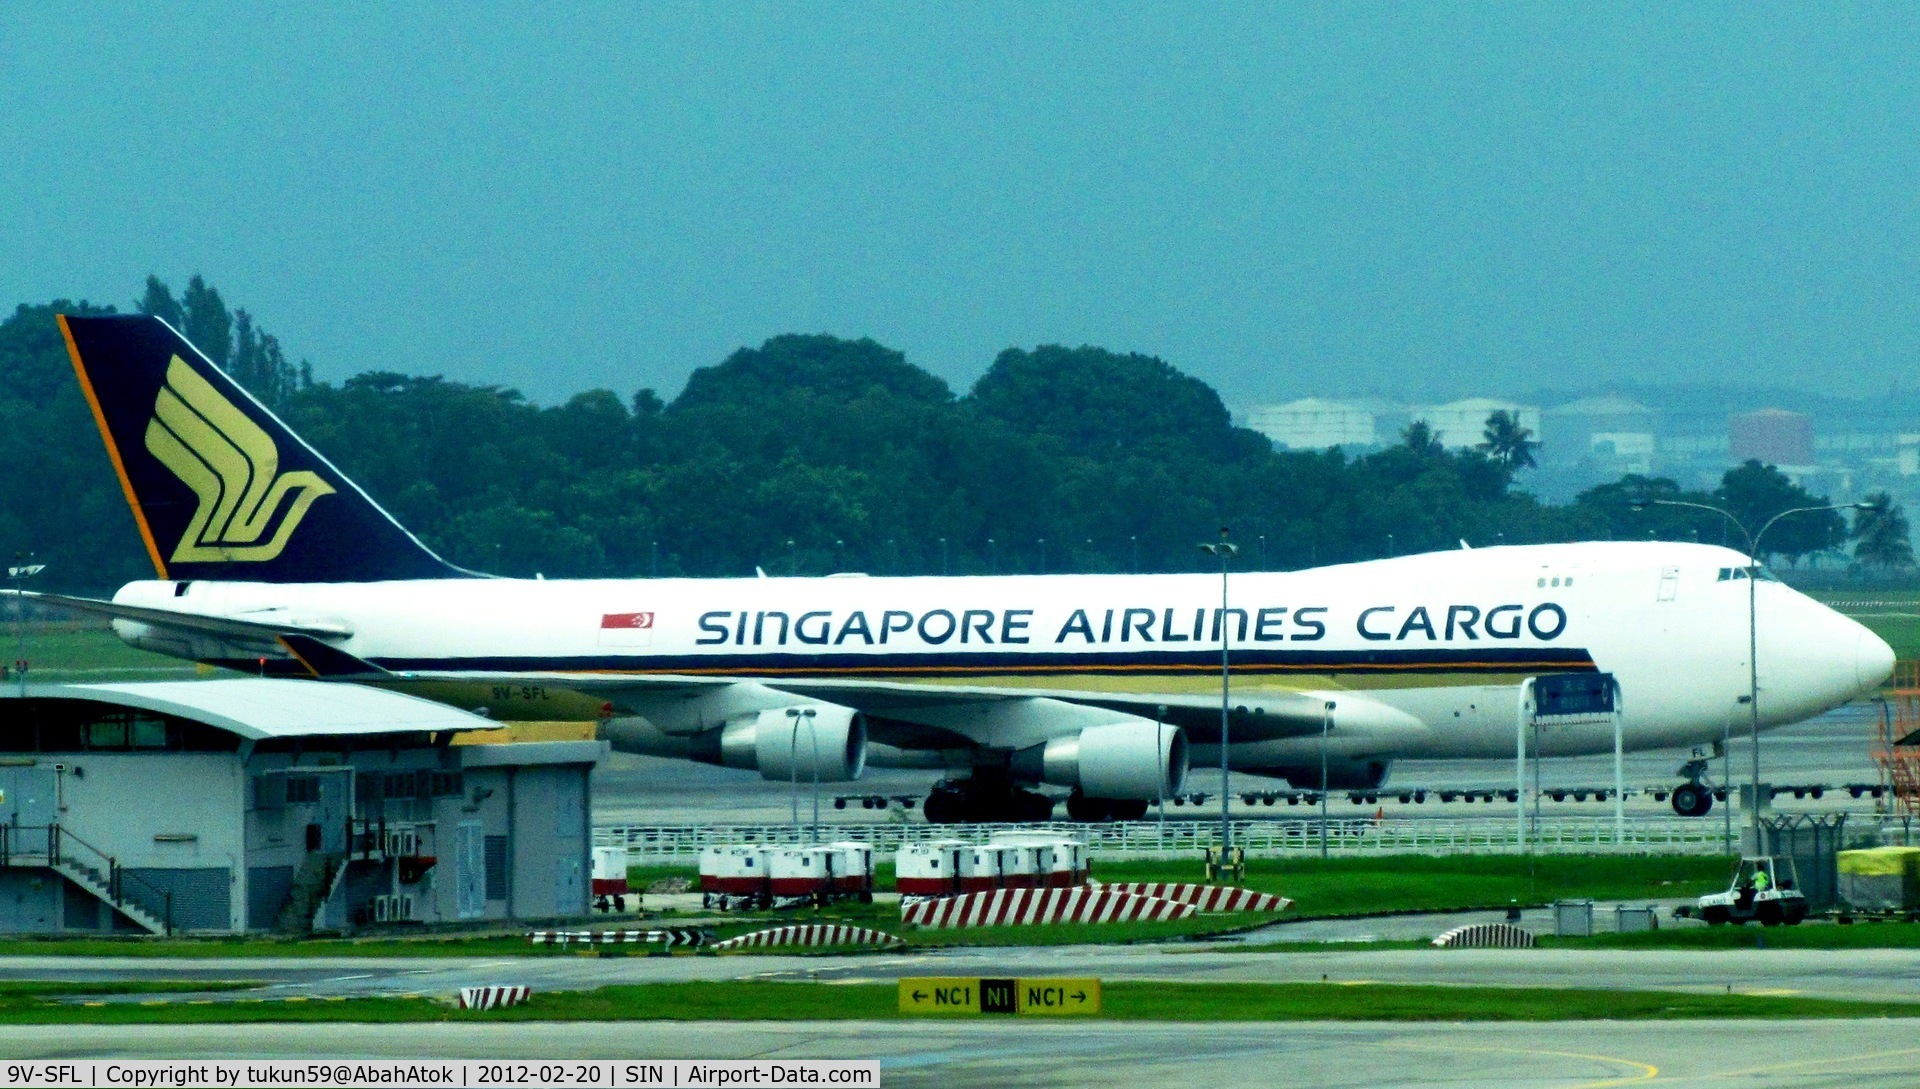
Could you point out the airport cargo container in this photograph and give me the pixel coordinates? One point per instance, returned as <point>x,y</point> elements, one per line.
<point>928,869</point>
<point>1062,862</point>
<point>1021,864</point>
<point>800,872</point>
<point>853,869</point>
<point>733,872</point>
<point>981,867</point>
<point>610,878</point>
<point>1880,878</point>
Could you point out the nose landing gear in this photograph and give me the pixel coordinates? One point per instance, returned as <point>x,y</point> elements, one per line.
<point>1693,798</point>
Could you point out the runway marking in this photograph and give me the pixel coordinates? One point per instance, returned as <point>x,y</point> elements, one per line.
<point>1647,1071</point>
<point>1775,992</point>
<point>1775,1067</point>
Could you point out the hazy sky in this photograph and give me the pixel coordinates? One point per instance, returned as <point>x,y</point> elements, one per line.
<point>1282,199</point>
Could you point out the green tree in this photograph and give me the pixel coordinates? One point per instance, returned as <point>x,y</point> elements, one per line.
<point>1756,493</point>
<point>1880,534</point>
<point>158,301</point>
<point>1508,443</point>
<point>208,325</point>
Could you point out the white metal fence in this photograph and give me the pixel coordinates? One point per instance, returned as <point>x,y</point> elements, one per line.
<point>681,845</point>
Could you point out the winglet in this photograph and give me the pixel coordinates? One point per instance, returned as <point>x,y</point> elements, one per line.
<point>327,662</point>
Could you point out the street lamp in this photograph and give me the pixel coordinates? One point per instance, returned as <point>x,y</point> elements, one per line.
<point>793,764</point>
<point>1326,724</point>
<point>1225,550</point>
<point>1753,624</point>
<point>20,573</point>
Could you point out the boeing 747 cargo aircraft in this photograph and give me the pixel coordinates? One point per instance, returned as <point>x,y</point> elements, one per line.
<point>1106,685</point>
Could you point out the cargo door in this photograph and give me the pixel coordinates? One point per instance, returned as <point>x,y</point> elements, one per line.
<point>1669,583</point>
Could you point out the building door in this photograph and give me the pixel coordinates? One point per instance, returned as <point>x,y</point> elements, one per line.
<point>331,813</point>
<point>1669,583</point>
<point>569,898</point>
<point>29,796</point>
<point>470,870</point>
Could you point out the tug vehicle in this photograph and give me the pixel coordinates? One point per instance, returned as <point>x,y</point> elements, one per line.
<point>1765,890</point>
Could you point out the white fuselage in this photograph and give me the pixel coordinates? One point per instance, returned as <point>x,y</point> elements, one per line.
<point>1444,638</point>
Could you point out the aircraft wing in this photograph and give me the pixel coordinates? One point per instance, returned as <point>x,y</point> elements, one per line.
<point>264,626</point>
<point>1266,716</point>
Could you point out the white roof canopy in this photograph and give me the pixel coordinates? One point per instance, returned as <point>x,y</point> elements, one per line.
<point>264,708</point>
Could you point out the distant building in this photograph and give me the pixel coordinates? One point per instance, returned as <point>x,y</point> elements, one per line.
<point>1462,424</point>
<point>1772,436</point>
<point>1613,434</point>
<point>1313,423</point>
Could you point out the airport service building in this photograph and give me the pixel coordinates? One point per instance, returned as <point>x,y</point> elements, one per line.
<point>258,805</point>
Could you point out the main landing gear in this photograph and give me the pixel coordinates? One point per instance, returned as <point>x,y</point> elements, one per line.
<point>1082,808</point>
<point>985,799</point>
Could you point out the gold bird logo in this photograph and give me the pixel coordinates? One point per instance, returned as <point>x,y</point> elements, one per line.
<point>232,466</point>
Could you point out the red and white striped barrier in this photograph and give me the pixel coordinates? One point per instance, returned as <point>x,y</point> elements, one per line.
<point>1024,907</point>
<point>493,998</point>
<point>1204,897</point>
<point>671,937</point>
<point>812,934</point>
<point>1485,936</point>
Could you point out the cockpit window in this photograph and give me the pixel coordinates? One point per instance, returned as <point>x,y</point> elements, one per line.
<point>1735,574</point>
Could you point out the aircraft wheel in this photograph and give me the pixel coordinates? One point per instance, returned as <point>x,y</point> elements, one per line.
<point>1126,810</point>
<point>1086,810</point>
<point>1692,800</point>
<point>942,807</point>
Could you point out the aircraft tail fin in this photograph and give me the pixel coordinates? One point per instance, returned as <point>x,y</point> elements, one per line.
<point>221,488</point>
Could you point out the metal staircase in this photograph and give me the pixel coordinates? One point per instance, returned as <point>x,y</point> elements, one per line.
<point>53,847</point>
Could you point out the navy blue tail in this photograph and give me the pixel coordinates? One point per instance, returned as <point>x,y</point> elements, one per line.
<point>220,487</point>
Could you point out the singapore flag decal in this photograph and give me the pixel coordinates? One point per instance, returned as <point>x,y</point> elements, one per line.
<point>626,629</point>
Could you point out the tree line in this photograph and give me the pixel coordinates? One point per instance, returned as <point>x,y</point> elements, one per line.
<point>811,454</point>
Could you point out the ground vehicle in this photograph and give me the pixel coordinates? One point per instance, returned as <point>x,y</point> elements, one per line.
<point>1764,890</point>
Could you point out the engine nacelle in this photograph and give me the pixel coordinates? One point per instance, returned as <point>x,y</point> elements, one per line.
<point>1342,774</point>
<point>1134,761</point>
<point>781,744</point>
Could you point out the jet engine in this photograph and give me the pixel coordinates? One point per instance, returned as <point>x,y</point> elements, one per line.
<point>794,742</point>
<point>1139,761</point>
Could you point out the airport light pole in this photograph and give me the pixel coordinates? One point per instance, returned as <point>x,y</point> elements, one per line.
<point>1225,550</point>
<point>794,715</point>
<point>1753,623</point>
<point>1326,724</point>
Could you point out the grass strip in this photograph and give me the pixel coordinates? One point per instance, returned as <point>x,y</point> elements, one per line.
<point>1123,1001</point>
<point>1857,936</point>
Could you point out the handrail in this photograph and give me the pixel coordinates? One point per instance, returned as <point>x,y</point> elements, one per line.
<point>56,838</point>
<point>1563,835</point>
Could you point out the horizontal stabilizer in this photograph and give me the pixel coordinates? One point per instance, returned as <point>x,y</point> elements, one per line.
<point>327,662</point>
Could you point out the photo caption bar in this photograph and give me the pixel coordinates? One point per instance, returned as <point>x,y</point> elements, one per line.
<point>438,1073</point>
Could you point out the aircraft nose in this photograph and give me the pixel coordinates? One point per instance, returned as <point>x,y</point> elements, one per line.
<point>1873,661</point>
